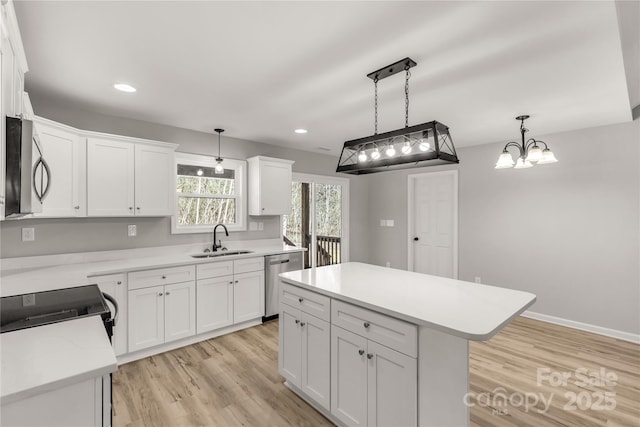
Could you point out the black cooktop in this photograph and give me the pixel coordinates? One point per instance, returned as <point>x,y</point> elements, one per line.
<point>41,308</point>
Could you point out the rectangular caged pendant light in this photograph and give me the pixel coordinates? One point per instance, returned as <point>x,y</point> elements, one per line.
<point>427,144</point>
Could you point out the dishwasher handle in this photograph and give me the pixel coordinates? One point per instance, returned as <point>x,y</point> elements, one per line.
<point>284,261</point>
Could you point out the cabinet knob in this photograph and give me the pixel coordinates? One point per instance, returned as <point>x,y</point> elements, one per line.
<point>369,356</point>
<point>360,352</point>
<point>300,299</point>
<point>415,239</point>
<point>119,282</point>
<point>76,207</point>
<point>301,324</point>
<point>138,208</point>
<point>164,277</point>
<point>167,293</point>
<point>231,282</point>
<point>262,208</point>
<point>297,321</point>
<point>130,208</point>
<point>236,281</point>
<point>159,294</point>
<point>366,325</point>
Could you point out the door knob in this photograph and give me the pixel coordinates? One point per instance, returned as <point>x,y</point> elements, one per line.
<point>415,239</point>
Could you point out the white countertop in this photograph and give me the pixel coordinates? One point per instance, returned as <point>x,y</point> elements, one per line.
<point>37,274</point>
<point>464,309</point>
<point>44,358</point>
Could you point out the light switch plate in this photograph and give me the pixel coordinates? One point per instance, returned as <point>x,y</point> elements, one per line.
<point>390,223</point>
<point>28,234</point>
<point>132,231</point>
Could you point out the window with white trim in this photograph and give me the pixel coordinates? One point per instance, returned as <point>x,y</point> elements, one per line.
<point>204,198</point>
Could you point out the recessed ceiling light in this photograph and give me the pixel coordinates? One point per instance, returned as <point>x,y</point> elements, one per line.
<point>300,131</point>
<point>124,87</point>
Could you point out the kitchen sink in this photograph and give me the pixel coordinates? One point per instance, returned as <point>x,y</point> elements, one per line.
<point>221,253</point>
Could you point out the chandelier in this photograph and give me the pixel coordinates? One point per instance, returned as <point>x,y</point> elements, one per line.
<point>425,144</point>
<point>530,152</point>
<point>219,169</point>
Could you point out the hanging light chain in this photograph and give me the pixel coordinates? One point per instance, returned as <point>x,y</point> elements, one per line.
<point>406,97</point>
<point>375,85</point>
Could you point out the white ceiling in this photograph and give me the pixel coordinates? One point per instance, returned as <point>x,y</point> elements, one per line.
<point>262,69</point>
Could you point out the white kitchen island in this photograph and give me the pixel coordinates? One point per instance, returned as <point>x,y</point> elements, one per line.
<point>368,345</point>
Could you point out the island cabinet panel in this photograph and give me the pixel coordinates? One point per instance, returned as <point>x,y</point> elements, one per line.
<point>389,331</point>
<point>348,377</point>
<point>392,387</point>
<point>304,358</point>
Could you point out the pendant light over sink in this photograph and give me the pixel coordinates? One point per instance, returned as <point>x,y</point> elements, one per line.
<point>219,170</point>
<point>530,151</point>
<point>426,144</point>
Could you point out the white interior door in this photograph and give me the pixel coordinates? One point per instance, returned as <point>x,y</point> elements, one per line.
<point>433,223</point>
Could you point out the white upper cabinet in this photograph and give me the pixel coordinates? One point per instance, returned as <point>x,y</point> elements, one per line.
<point>64,150</point>
<point>154,178</point>
<point>125,178</point>
<point>269,186</point>
<point>110,178</point>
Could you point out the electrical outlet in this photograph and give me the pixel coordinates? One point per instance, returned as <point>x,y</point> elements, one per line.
<point>390,223</point>
<point>260,226</point>
<point>28,234</point>
<point>28,300</point>
<point>132,230</point>
<point>253,226</point>
<point>477,279</point>
<point>383,223</point>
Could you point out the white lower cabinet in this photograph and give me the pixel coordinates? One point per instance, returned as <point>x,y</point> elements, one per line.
<point>161,314</point>
<point>304,353</point>
<point>371,385</point>
<point>215,303</point>
<point>248,296</point>
<point>116,286</point>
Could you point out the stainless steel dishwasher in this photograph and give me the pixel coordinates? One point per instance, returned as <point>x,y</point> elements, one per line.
<point>274,265</point>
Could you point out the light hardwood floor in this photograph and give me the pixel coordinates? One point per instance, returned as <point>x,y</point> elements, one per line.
<point>233,381</point>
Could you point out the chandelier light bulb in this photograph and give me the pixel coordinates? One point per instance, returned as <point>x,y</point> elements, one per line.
<point>391,151</point>
<point>219,170</point>
<point>424,146</point>
<point>375,154</point>
<point>199,172</point>
<point>535,154</point>
<point>362,156</point>
<point>505,160</point>
<point>547,157</point>
<point>406,148</point>
<point>522,164</point>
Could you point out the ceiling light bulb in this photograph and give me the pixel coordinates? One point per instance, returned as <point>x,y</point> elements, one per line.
<point>362,156</point>
<point>391,151</point>
<point>406,148</point>
<point>547,157</point>
<point>124,87</point>
<point>199,172</point>
<point>424,146</point>
<point>522,164</point>
<point>505,160</point>
<point>219,170</point>
<point>534,154</point>
<point>300,130</point>
<point>375,154</point>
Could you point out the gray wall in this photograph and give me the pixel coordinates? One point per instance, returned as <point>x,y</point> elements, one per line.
<point>54,236</point>
<point>568,232</point>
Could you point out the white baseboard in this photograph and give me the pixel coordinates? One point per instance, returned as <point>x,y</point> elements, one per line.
<point>613,333</point>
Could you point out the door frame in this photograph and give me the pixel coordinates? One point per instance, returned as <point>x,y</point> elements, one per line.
<point>411,183</point>
<point>324,179</point>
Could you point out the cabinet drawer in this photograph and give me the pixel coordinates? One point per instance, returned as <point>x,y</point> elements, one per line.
<point>389,331</point>
<point>309,302</point>
<point>214,269</point>
<point>248,264</point>
<point>161,276</point>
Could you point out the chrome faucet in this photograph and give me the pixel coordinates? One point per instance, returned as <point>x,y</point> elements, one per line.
<point>219,244</point>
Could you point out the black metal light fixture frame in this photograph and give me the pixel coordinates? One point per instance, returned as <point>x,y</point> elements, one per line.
<point>426,144</point>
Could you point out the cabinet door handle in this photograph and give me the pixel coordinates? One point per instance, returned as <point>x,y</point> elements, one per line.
<point>297,321</point>
<point>301,324</point>
<point>159,294</point>
<point>369,356</point>
<point>360,352</point>
<point>366,325</point>
<point>119,282</point>
<point>300,300</point>
<point>76,207</point>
